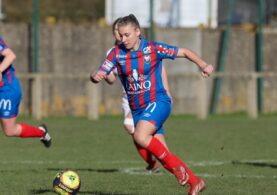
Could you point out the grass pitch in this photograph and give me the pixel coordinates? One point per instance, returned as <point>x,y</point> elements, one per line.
<point>233,154</point>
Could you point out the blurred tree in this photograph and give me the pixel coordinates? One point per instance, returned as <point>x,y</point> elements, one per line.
<point>61,10</point>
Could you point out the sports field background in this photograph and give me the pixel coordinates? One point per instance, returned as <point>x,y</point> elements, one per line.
<point>233,154</point>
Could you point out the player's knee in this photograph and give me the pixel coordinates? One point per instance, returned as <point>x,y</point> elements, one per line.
<point>9,133</point>
<point>141,139</point>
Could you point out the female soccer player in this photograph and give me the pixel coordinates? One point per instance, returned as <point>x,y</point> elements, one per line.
<point>138,63</point>
<point>152,164</point>
<point>10,97</point>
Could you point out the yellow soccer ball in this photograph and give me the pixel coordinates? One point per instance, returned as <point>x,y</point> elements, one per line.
<point>67,182</point>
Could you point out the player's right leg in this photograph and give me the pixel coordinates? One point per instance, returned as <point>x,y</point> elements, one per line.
<point>196,187</point>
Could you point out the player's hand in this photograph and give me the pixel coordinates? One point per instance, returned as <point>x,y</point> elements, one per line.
<point>98,76</point>
<point>207,70</point>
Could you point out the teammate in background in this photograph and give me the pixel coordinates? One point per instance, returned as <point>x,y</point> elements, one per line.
<point>139,69</point>
<point>152,164</point>
<point>10,97</point>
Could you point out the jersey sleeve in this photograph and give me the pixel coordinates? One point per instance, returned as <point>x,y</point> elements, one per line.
<point>109,63</point>
<point>2,45</point>
<point>165,51</point>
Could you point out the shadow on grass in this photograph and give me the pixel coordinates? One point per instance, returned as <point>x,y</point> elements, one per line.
<point>43,191</point>
<point>88,170</point>
<point>256,164</point>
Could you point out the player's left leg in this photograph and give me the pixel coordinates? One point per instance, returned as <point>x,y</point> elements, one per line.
<point>12,129</point>
<point>11,98</point>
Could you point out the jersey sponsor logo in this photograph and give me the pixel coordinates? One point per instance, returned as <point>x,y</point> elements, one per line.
<point>5,104</point>
<point>122,62</point>
<point>136,83</point>
<point>121,56</point>
<point>121,59</point>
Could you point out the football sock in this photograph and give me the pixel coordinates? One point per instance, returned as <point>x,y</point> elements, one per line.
<point>162,154</point>
<point>167,168</point>
<point>145,154</point>
<point>192,178</point>
<point>30,131</point>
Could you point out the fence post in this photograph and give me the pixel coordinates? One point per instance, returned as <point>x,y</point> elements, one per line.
<point>202,107</point>
<point>93,94</point>
<point>252,100</point>
<point>36,97</point>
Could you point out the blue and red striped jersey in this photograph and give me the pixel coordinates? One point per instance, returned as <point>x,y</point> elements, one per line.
<point>8,74</point>
<point>140,70</point>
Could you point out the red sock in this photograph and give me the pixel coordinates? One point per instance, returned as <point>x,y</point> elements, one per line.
<point>161,153</point>
<point>145,154</point>
<point>167,168</point>
<point>192,178</point>
<point>30,131</point>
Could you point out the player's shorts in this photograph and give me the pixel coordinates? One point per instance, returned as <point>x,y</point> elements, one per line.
<point>155,113</point>
<point>10,97</point>
<point>129,121</point>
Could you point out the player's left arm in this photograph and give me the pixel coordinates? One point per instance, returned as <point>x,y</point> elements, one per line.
<point>206,69</point>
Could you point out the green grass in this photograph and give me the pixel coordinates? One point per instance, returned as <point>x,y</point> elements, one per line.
<point>233,154</point>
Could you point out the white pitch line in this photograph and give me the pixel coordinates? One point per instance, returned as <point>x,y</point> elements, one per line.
<point>190,163</point>
<point>238,176</point>
<point>142,171</point>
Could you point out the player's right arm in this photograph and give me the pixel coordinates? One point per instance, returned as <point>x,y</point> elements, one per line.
<point>98,76</point>
<point>105,68</point>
